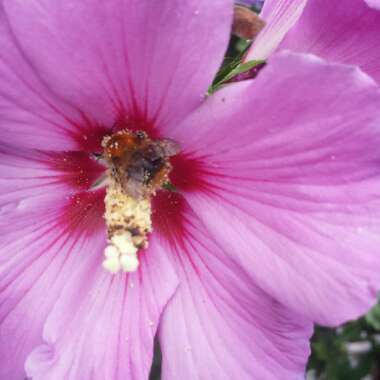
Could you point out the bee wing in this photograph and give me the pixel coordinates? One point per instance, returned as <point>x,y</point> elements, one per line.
<point>134,188</point>
<point>169,147</point>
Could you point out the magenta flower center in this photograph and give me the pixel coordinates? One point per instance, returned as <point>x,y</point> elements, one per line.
<point>142,182</point>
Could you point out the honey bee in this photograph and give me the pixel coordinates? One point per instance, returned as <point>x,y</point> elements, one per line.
<point>139,164</point>
<point>138,167</point>
<point>246,23</point>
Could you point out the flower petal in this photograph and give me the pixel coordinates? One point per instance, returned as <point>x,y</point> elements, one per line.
<point>219,324</point>
<point>39,254</point>
<point>25,173</point>
<point>292,165</point>
<point>105,329</point>
<point>73,66</point>
<point>279,16</point>
<point>341,31</point>
<point>31,113</point>
<point>373,3</point>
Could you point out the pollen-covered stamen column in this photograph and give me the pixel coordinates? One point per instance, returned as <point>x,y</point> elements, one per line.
<point>128,224</point>
<point>138,167</point>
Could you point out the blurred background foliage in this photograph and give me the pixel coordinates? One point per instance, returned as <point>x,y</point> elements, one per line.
<point>349,352</point>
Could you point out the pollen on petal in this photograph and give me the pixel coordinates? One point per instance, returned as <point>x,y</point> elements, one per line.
<point>83,212</point>
<point>76,169</point>
<point>168,216</point>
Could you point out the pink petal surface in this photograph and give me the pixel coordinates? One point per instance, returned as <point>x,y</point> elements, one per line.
<point>54,294</point>
<point>341,31</point>
<point>105,328</point>
<point>38,256</point>
<point>73,67</point>
<point>32,115</point>
<point>291,162</point>
<point>279,16</point>
<point>53,234</point>
<point>219,324</point>
<point>25,173</point>
<point>373,3</point>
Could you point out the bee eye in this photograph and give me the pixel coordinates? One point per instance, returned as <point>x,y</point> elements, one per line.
<point>140,135</point>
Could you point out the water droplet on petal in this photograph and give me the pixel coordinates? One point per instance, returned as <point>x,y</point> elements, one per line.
<point>21,205</point>
<point>360,230</point>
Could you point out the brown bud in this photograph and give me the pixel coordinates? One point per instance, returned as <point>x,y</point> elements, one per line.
<point>246,24</point>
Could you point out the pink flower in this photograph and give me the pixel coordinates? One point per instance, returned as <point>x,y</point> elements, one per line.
<point>274,224</point>
<point>340,31</point>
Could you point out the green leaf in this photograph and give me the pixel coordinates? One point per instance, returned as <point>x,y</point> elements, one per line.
<point>232,71</point>
<point>373,317</point>
<point>169,186</point>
